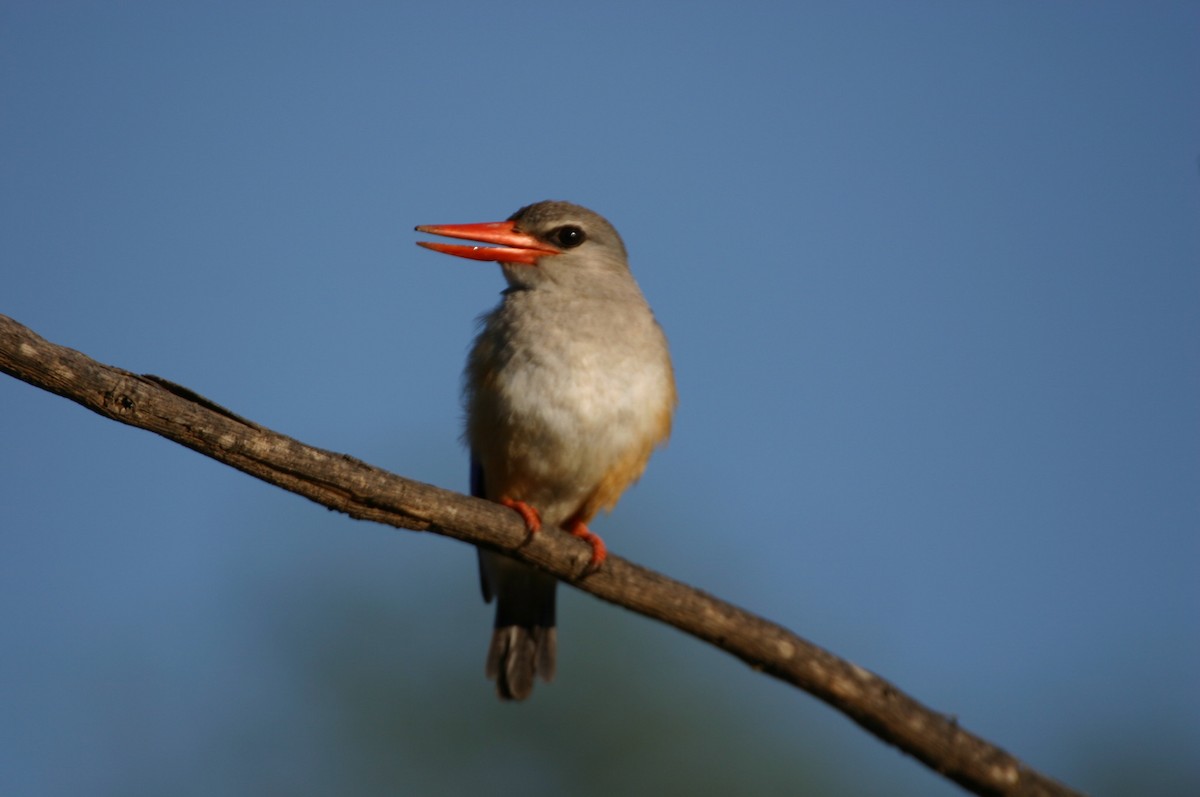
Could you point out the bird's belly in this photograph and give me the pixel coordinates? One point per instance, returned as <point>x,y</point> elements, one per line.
<point>552,436</point>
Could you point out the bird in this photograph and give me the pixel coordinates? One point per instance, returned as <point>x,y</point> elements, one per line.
<point>568,389</point>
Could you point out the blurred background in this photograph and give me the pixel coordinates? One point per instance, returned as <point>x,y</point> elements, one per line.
<point>931,275</point>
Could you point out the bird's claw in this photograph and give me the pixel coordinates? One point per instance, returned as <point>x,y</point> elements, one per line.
<point>599,551</point>
<point>533,521</point>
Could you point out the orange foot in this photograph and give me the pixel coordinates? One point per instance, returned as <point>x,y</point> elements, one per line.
<point>577,528</point>
<point>533,520</point>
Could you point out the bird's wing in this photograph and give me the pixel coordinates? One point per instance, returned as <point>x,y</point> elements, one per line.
<point>480,491</point>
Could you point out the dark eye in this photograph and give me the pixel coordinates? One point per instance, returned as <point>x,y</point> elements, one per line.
<point>568,237</point>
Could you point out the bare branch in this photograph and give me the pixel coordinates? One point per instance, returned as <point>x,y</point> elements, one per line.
<point>348,485</point>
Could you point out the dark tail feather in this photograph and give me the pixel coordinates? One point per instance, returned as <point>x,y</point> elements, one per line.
<point>518,654</point>
<point>524,643</point>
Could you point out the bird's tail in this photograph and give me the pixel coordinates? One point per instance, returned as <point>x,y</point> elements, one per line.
<point>524,643</point>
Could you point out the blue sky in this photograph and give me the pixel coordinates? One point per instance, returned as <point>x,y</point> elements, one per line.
<point>931,276</point>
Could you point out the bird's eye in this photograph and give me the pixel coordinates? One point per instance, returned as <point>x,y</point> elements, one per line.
<point>568,237</point>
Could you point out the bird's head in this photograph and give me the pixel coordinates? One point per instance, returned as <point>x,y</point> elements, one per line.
<point>547,243</point>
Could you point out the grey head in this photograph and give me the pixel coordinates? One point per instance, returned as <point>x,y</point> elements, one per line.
<point>588,253</point>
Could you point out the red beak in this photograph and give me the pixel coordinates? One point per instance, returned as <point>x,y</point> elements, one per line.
<point>514,247</point>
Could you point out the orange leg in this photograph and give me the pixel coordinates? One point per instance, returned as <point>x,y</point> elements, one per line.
<point>577,528</point>
<point>533,521</point>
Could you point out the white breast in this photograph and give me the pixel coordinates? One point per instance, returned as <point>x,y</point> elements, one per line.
<point>565,398</point>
